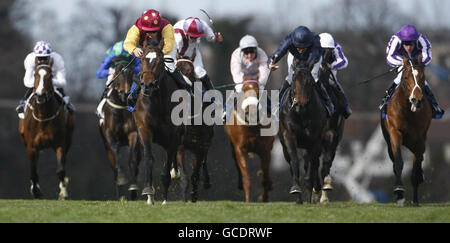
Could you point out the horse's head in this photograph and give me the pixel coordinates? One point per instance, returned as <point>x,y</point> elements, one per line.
<point>124,79</point>
<point>250,99</point>
<point>186,65</point>
<point>413,82</point>
<point>43,86</point>
<point>302,83</point>
<point>152,65</point>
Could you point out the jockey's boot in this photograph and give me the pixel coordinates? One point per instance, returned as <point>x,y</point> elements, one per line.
<point>348,110</point>
<point>21,107</point>
<point>389,91</point>
<point>436,110</point>
<point>179,79</point>
<point>283,89</point>
<point>206,82</point>
<point>66,100</point>
<point>324,94</point>
<point>133,94</point>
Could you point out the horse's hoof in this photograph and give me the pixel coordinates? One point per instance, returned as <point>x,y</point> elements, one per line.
<point>327,187</point>
<point>295,189</point>
<point>121,179</point>
<point>133,187</point>
<point>148,191</point>
<point>194,197</point>
<point>150,200</point>
<point>174,174</point>
<point>399,189</point>
<point>401,202</point>
<point>164,202</point>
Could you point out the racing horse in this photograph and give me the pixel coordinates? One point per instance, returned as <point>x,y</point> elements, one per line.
<point>197,139</point>
<point>334,131</point>
<point>245,137</point>
<point>408,119</point>
<point>47,124</point>
<point>153,117</point>
<point>119,129</point>
<point>303,122</point>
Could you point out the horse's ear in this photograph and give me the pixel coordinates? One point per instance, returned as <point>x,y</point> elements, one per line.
<point>178,56</point>
<point>193,54</point>
<point>51,62</point>
<point>161,43</point>
<point>36,61</point>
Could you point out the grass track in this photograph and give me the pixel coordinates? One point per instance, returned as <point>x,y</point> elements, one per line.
<point>47,211</point>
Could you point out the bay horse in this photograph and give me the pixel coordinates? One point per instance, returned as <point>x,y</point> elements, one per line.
<point>408,119</point>
<point>334,131</point>
<point>47,124</point>
<point>197,139</point>
<point>119,129</point>
<point>303,122</point>
<point>153,117</point>
<point>245,138</point>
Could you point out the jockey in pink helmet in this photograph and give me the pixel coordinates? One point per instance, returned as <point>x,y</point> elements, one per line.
<point>408,42</point>
<point>188,33</point>
<point>43,54</point>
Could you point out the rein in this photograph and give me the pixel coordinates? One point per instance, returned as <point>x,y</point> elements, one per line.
<point>43,119</point>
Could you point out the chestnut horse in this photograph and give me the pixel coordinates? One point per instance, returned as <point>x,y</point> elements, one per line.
<point>197,139</point>
<point>246,138</point>
<point>119,129</point>
<point>334,131</point>
<point>153,117</point>
<point>303,122</point>
<point>407,122</point>
<point>47,124</point>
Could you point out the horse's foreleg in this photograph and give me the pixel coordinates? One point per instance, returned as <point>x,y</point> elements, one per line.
<point>33,156</point>
<point>417,176</point>
<point>396,143</point>
<point>133,164</point>
<point>242,158</point>
<point>291,149</point>
<point>184,180</point>
<point>61,172</point>
<point>165,173</point>
<point>233,155</point>
<point>206,180</point>
<point>197,163</point>
<point>265,178</point>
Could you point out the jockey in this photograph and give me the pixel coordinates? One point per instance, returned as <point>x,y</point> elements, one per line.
<point>116,51</point>
<point>106,69</point>
<point>250,61</point>
<point>147,27</point>
<point>336,62</point>
<point>188,33</point>
<point>43,54</point>
<point>408,42</point>
<point>303,45</point>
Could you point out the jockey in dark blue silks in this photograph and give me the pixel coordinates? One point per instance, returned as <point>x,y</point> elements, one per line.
<point>303,45</point>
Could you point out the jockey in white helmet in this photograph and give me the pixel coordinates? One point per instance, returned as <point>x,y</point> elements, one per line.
<point>337,61</point>
<point>43,53</point>
<point>249,60</point>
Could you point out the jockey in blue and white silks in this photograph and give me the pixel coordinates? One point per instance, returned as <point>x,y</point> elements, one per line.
<point>303,45</point>
<point>106,69</point>
<point>337,61</point>
<point>408,42</point>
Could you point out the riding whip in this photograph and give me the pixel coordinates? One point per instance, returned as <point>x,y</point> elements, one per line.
<point>210,20</point>
<point>380,75</point>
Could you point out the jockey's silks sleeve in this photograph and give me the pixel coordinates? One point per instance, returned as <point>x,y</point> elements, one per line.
<point>132,39</point>
<point>168,33</point>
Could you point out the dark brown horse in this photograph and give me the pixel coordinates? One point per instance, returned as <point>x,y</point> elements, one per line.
<point>47,124</point>
<point>153,117</point>
<point>197,139</point>
<point>407,122</point>
<point>303,122</point>
<point>334,131</point>
<point>119,129</point>
<point>245,137</point>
